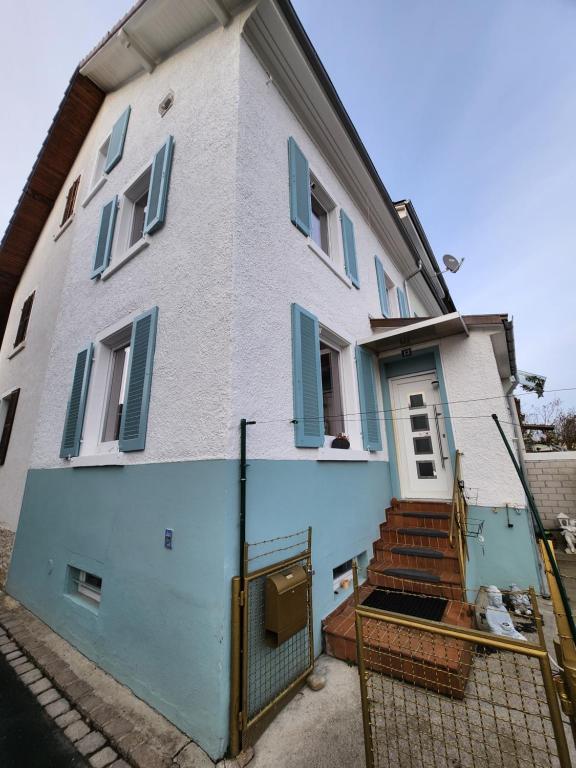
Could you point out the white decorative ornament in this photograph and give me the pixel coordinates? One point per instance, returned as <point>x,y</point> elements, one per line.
<point>568,528</point>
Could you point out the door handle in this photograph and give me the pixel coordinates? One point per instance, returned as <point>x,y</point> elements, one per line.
<point>442,457</point>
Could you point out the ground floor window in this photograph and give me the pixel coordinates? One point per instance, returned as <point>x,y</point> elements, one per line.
<point>85,585</point>
<point>332,399</point>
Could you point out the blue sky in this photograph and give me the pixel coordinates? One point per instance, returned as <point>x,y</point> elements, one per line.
<point>467,107</point>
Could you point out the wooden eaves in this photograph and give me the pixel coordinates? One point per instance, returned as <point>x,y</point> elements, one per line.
<point>69,128</point>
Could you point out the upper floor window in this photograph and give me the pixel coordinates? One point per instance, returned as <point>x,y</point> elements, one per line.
<point>109,154</point>
<point>70,201</point>
<point>7,414</point>
<point>24,320</point>
<point>141,211</point>
<point>312,212</point>
<point>321,209</point>
<point>100,164</point>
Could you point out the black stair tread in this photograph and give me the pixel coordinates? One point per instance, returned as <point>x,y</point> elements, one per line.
<point>425,515</point>
<point>433,532</point>
<point>435,554</point>
<point>414,574</point>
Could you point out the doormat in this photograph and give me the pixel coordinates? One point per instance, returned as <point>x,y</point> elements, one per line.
<point>420,606</point>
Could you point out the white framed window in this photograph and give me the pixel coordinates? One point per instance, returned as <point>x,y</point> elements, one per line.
<point>85,585</point>
<point>116,393</point>
<point>324,239</point>
<point>132,215</point>
<point>90,586</point>
<point>100,164</point>
<point>331,390</point>
<point>336,368</point>
<point>107,391</point>
<point>99,177</point>
<point>321,222</point>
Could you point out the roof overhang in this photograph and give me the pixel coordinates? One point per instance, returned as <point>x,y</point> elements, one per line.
<point>416,331</point>
<point>148,33</point>
<point>395,333</point>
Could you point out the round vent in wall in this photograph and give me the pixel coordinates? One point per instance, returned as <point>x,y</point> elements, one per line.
<point>166,103</point>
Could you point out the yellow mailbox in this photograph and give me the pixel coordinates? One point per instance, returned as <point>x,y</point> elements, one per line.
<point>286,604</point>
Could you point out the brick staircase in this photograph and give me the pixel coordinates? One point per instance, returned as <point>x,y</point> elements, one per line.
<point>414,556</point>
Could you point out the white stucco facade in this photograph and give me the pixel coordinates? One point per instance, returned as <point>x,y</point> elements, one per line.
<point>224,272</point>
<point>186,269</point>
<point>24,369</point>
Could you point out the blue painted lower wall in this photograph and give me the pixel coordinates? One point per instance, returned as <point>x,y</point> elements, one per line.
<point>344,502</point>
<point>507,555</point>
<point>163,625</point>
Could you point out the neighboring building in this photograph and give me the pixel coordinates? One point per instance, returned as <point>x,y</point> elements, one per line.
<point>232,253</point>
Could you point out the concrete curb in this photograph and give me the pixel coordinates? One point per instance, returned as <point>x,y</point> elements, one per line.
<point>104,720</point>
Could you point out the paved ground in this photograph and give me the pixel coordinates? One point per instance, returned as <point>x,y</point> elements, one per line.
<point>318,729</point>
<point>103,718</point>
<point>28,736</point>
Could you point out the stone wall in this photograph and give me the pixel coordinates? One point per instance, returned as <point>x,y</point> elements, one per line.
<point>6,544</point>
<point>552,478</point>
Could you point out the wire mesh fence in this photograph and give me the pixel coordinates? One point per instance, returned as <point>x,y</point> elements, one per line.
<point>271,672</point>
<point>446,695</point>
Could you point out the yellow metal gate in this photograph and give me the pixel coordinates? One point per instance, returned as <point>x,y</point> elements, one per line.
<point>264,678</point>
<point>452,697</point>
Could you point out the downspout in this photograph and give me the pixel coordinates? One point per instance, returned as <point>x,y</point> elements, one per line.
<point>243,479</point>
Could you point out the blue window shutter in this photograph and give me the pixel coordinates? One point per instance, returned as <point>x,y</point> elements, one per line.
<point>382,288</point>
<point>116,144</point>
<point>350,262</point>
<point>300,203</point>
<point>370,418</point>
<point>159,183</point>
<point>138,382</point>
<point>77,404</point>
<point>307,380</point>
<point>105,237</point>
<point>402,303</point>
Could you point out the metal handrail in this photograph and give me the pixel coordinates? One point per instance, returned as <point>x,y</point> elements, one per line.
<point>458,518</point>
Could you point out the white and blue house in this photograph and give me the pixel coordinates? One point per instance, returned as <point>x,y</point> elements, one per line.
<point>212,242</point>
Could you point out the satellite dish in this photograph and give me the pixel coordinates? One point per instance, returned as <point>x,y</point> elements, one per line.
<point>451,263</point>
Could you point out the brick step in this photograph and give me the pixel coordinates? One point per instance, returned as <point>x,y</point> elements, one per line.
<point>432,662</point>
<point>418,537</point>
<point>437,583</point>
<point>418,520</point>
<point>416,557</point>
<point>421,505</point>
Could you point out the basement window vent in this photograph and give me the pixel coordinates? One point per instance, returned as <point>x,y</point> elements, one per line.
<point>166,103</point>
<point>85,586</point>
<point>342,574</point>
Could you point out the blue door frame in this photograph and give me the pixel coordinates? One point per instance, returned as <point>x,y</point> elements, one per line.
<point>420,360</point>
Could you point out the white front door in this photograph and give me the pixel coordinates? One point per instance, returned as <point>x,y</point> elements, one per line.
<point>420,435</point>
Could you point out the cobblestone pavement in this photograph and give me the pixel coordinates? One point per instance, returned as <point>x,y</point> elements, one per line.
<point>103,719</point>
<point>28,735</point>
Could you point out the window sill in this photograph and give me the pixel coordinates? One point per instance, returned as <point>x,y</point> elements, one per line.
<point>96,188</point>
<point>16,350</point>
<point>139,246</point>
<point>328,261</point>
<point>90,605</point>
<point>98,460</point>
<point>341,454</point>
<point>64,227</point>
